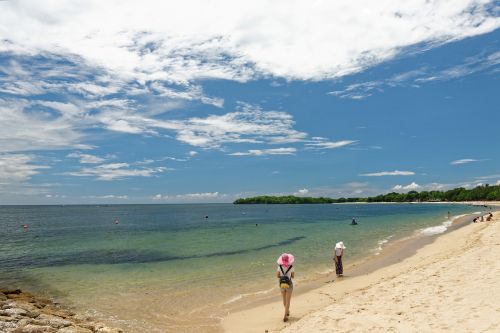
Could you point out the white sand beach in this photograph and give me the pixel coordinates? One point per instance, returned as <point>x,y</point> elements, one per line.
<point>449,285</point>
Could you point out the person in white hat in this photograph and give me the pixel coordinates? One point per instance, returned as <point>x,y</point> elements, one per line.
<point>337,256</point>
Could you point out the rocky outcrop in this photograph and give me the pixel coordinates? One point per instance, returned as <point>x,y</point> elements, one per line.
<point>22,312</point>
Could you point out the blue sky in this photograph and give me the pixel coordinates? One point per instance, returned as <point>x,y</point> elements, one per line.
<point>108,103</point>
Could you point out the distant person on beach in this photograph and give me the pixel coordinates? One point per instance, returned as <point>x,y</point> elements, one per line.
<point>489,217</point>
<point>474,220</point>
<point>353,222</point>
<point>285,274</point>
<point>337,256</point>
<point>482,219</point>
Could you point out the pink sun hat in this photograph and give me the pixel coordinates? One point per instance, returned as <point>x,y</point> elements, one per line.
<point>286,259</point>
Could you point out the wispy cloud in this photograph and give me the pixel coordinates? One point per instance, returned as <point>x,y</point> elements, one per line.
<point>322,143</point>
<point>249,123</point>
<point>388,173</point>
<point>464,161</point>
<point>107,196</point>
<point>17,168</point>
<point>86,158</point>
<point>419,76</point>
<point>116,171</point>
<point>22,129</point>
<point>262,152</point>
<point>190,197</point>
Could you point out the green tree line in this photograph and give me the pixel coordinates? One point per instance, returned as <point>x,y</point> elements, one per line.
<point>479,193</point>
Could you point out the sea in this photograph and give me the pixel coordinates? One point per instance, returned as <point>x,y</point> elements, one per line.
<point>181,268</point>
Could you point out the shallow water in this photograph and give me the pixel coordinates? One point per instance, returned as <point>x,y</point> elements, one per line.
<point>169,268</point>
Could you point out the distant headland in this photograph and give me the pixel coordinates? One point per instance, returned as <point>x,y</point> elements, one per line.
<point>479,193</point>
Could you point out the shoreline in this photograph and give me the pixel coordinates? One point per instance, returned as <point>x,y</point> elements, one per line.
<point>394,251</point>
<point>265,314</point>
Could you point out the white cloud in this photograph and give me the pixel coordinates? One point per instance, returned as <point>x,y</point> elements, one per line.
<point>320,143</point>
<point>86,158</point>
<point>116,171</point>
<point>389,173</point>
<point>464,161</point>
<point>248,123</point>
<point>193,153</point>
<point>263,152</point>
<point>190,197</point>
<point>488,177</point>
<point>159,197</point>
<point>303,191</point>
<point>410,187</point>
<point>22,130</point>
<point>416,77</point>
<point>169,41</point>
<point>206,195</point>
<point>17,168</point>
<point>107,196</point>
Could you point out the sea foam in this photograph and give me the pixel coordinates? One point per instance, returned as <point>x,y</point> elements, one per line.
<point>381,244</point>
<point>439,229</point>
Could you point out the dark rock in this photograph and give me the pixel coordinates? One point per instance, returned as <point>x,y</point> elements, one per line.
<point>10,291</point>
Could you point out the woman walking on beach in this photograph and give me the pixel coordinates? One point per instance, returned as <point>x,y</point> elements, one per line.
<point>337,256</point>
<point>285,274</point>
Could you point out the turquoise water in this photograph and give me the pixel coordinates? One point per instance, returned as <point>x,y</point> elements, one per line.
<point>165,267</point>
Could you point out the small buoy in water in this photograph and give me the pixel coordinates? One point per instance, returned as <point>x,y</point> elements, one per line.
<point>206,216</point>
<point>25,226</point>
<point>256,224</point>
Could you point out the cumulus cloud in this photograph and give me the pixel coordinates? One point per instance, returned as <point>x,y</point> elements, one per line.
<point>262,152</point>
<point>410,187</point>
<point>389,173</point>
<point>303,191</point>
<point>463,161</point>
<point>170,41</point>
<point>116,171</point>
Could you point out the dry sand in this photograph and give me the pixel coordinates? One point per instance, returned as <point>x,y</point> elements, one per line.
<point>452,284</point>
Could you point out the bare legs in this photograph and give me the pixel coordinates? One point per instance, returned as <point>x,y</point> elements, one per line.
<point>287,296</point>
